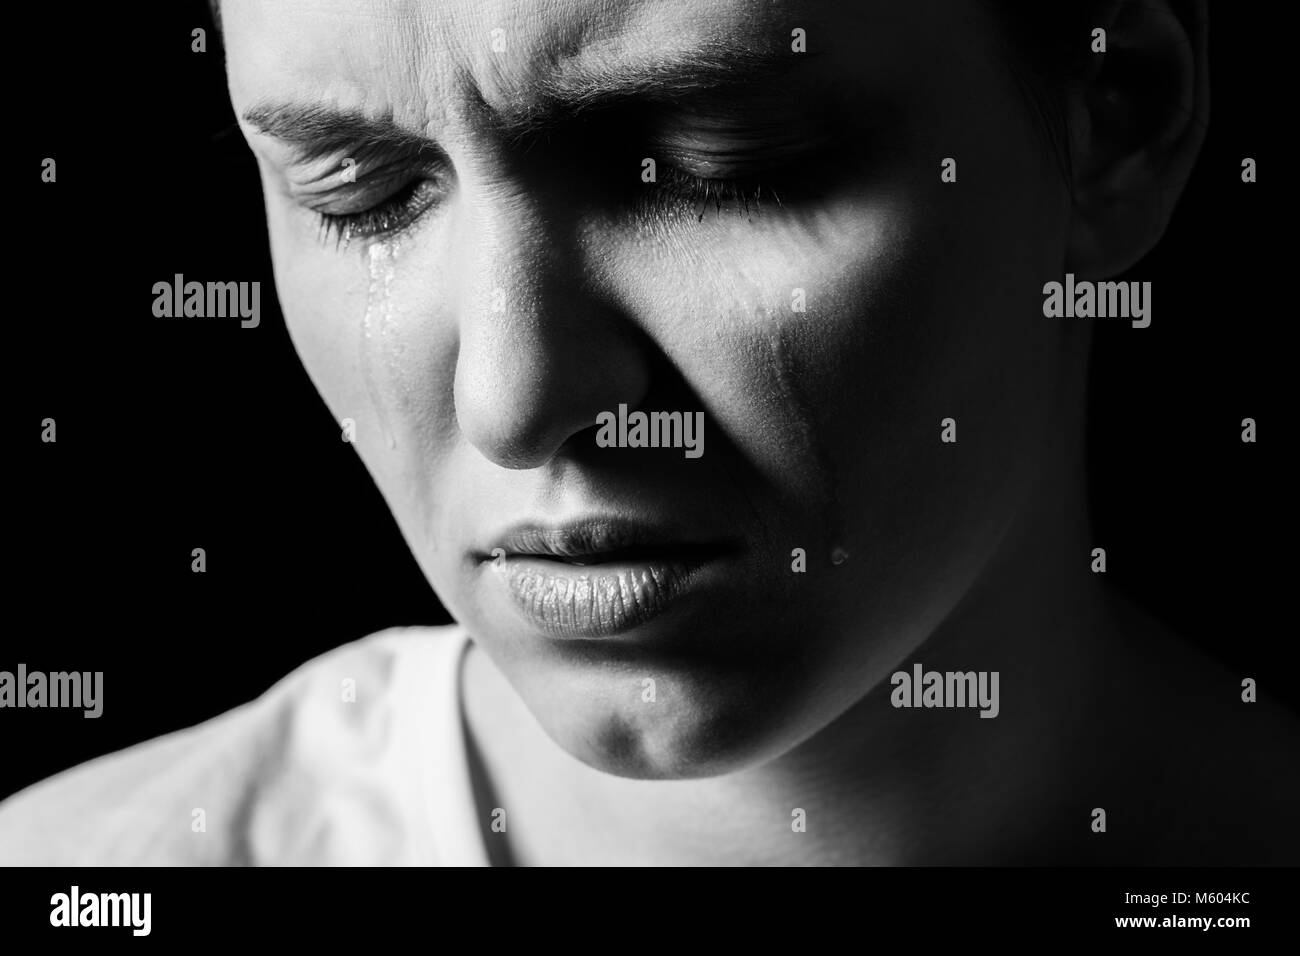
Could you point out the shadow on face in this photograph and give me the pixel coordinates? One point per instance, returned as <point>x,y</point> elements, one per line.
<point>501,230</point>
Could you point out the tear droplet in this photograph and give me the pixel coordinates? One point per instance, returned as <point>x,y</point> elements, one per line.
<point>378,310</point>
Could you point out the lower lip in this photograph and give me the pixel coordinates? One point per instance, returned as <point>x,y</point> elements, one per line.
<point>573,602</point>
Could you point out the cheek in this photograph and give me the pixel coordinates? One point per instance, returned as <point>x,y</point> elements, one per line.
<point>324,303</point>
<point>371,325</point>
<point>758,316</point>
<point>830,347</point>
<point>348,314</point>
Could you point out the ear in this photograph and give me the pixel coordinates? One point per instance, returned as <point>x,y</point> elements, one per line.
<point>1136,119</point>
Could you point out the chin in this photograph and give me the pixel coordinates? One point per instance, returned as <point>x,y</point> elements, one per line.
<point>693,729</point>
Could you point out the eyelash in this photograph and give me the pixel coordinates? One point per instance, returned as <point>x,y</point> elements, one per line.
<point>677,192</point>
<point>394,214</point>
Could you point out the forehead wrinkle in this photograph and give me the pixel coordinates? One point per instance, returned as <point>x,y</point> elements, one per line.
<point>502,90</point>
<point>436,72</point>
<point>564,58</point>
<point>357,58</point>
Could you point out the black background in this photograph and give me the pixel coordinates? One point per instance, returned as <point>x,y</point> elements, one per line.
<point>174,435</point>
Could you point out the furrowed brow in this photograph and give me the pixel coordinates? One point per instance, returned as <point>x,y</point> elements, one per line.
<point>317,132</point>
<point>674,73</point>
<point>590,83</point>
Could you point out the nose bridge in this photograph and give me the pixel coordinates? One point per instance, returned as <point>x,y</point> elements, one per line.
<point>516,254</point>
<point>540,355</point>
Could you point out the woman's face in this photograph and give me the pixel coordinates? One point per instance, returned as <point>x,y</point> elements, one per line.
<point>507,275</point>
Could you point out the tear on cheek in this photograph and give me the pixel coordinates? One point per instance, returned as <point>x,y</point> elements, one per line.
<point>381,348</point>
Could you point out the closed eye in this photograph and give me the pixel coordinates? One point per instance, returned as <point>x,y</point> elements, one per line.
<point>391,215</point>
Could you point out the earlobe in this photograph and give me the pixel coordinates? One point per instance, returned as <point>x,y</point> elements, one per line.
<point>1137,119</point>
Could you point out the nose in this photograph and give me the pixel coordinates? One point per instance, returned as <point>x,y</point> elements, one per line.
<point>542,350</point>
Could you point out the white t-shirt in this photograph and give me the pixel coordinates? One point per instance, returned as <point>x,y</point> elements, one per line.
<point>300,776</point>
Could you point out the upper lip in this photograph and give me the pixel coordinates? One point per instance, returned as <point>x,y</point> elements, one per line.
<point>599,540</point>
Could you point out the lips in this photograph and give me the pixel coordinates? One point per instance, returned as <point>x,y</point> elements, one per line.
<point>598,578</point>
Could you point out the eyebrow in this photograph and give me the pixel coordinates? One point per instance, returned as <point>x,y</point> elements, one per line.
<point>317,130</point>
<point>581,84</point>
